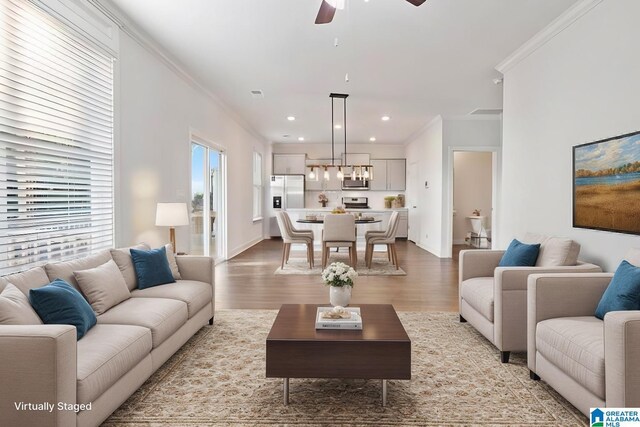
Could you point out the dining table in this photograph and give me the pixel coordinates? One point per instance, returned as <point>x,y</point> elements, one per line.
<point>321,221</point>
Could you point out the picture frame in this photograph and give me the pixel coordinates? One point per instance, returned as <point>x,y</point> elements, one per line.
<point>606,184</point>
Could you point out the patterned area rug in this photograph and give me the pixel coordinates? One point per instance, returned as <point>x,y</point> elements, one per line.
<point>218,378</point>
<point>380,266</point>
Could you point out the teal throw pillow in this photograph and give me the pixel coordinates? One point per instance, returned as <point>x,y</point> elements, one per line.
<point>623,293</point>
<point>152,267</point>
<point>520,254</point>
<point>59,303</point>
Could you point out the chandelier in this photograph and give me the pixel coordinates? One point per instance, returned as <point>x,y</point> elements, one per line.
<point>344,169</point>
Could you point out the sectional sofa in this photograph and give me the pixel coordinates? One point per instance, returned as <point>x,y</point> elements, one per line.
<point>86,380</point>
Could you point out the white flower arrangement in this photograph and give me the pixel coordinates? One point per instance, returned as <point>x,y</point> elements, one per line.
<point>339,274</point>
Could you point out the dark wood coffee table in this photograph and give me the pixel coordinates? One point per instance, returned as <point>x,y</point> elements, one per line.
<point>381,350</point>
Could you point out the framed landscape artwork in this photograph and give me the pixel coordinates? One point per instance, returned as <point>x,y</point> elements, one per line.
<point>606,184</point>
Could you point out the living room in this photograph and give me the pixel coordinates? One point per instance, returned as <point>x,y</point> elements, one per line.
<point>529,83</point>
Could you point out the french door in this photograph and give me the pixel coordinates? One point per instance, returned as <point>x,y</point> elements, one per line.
<point>208,198</point>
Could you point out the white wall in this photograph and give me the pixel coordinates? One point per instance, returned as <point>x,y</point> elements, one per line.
<point>580,86</point>
<point>323,152</point>
<point>157,110</point>
<point>472,186</point>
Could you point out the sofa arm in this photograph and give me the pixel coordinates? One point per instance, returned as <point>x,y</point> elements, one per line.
<point>621,350</point>
<point>37,364</point>
<point>560,295</point>
<point>478,263</point>
<point>200,268</point>
<point>515,278</point>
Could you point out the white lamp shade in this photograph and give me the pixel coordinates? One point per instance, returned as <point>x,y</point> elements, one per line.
<point>172,214</point>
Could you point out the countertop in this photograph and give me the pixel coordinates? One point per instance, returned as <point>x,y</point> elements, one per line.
<point>329,209</point>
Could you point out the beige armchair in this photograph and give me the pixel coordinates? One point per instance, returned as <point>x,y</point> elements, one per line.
<point>494,299</point>
<point>592,363</point>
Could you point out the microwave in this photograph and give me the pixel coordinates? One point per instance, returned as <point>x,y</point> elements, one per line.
<point>355,184</point>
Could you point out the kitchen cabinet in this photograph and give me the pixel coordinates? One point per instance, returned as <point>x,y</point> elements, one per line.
<point>289,164</point>
<point>389,175</point>
<point>403,224</point>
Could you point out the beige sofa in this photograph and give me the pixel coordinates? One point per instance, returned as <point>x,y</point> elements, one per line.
<point>494,299</point>
<point>592,363</point>
<point>45,363</point>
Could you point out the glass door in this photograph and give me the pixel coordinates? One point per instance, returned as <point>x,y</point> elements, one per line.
<point>207,196</point>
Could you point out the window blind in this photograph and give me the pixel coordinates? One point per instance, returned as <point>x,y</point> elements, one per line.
<point>56,141</point>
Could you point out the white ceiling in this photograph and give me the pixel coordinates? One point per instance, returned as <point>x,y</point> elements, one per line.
<point>410,63</point>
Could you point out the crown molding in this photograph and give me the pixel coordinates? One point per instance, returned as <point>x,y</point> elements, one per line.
<point>112,12</point>
<point>562,22</point>
<point>473,118</point>
<point>422,130</point>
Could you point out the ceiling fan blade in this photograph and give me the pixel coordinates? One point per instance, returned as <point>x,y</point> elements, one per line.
<point>326,13</point>
<point>416,2</point>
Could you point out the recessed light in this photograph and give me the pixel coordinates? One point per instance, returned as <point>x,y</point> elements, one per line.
<point>372,139</point>
<point>286,135</point>
<point>385,118</point>
<point>291,118</point>
<point>301,138</point>
<point>338,126</point>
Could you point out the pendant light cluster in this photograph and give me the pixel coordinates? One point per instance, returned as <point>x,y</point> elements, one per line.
<point>344,169</point>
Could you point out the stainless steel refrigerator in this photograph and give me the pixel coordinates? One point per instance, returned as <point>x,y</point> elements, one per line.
<point>287,192</point>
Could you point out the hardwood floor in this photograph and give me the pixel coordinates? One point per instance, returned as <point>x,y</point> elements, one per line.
<point>247,281</point>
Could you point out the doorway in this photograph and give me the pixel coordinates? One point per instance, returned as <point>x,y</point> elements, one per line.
<point>473,198</point>
<point>208,196</point>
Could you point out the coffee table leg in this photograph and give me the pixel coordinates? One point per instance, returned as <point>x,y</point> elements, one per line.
<point>384,392</point>
<point>286,390</point>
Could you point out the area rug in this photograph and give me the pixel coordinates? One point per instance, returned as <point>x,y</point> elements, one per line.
<point>380,266</point>
<point>218,379</point>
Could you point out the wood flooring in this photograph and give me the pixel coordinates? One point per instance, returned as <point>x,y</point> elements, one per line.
<point>247,281</point>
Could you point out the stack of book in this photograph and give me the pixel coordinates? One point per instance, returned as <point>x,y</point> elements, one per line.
<point>351,319</point>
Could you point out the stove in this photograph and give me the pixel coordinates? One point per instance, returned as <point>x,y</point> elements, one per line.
<point>356,202</point>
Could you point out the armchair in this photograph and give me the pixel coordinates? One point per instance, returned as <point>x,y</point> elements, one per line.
<point>591,362</point>
<point>494,299</point>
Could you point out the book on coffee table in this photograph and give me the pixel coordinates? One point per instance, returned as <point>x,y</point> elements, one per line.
<point>354,321</point>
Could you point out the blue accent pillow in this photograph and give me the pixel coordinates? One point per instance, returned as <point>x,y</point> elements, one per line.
<point>520,254</point>
<point>623,293</point>
<point>152,267</point>
<point>59,303</point>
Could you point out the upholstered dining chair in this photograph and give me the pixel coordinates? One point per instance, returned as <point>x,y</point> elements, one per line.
<point>292,228</point>
<point>339,232</point>
<point>289,236</point>
<point>387,237</point>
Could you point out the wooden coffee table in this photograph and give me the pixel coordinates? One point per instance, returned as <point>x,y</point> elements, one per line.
<point>381,350</point>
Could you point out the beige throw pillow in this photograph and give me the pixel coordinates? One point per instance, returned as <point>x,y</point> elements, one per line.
<point>172,262</point>
<point>122,257</point>
<point>103,286</point>
<point>554,251</point>
<point>15,308</point>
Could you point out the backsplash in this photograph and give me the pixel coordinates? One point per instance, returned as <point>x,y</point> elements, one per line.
<point>376,198</point>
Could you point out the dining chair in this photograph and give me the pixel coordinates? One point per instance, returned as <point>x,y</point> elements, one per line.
<point>292,228</point>
<point>388,238</point>
<point>289,236</point>
<point>339,232</point>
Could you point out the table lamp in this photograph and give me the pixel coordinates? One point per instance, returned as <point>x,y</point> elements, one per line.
<point>172,215</point>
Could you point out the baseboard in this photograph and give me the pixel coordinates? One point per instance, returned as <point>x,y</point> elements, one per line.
<point>244,247</point>
<point>430,250</point>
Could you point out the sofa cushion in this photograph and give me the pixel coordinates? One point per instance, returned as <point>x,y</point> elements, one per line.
<point>576,346</point>
<point>15,308</point>
<point>520,254</point>
<point>633,256</point>
<point>623,292</point>
<point>478,293</point>
<point>103,286</point>
<point>122,258</point>
<point>162,316</point>
<point>105,354</point>
<point>32,278</point>
<point>554,251</point>
<point>152,267</point>
<point>59,303</point>
<point>195,294</point>
<point>64,270</point>
<point>173,265</point>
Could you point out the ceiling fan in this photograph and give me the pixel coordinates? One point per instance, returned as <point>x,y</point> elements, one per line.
<point>328,9</point>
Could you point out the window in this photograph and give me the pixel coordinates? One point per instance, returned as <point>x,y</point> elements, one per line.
<point>56,141</point>
<point>257,186</point>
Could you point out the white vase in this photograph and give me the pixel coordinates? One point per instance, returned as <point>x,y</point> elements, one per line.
<point>339,295</point>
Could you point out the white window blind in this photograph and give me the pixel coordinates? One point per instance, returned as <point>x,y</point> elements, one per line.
<point>56,141</point>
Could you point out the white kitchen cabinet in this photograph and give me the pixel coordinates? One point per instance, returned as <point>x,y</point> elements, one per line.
<point>289,164</point>
<point>389,175</point>
<point>403,224</point>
